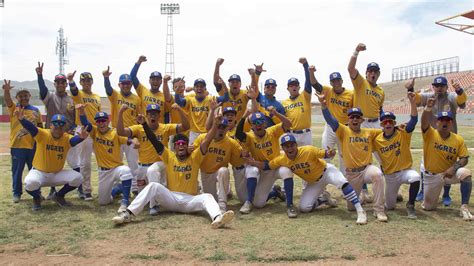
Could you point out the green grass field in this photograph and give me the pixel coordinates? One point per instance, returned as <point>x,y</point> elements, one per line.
<point>84,233</point>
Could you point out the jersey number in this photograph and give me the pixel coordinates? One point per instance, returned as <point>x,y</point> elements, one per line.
<point>60,156</point>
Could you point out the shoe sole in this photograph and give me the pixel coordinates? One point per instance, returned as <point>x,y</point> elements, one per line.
<point>118,220</point>
<point>227,217</point>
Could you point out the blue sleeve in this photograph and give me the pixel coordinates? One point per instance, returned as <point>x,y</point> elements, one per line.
<point>330,119</point>
<point>84,120</point>
<point>108,88</point>
<point>75,140</point>
<point>259,97</point>
<point>266,166</point>
<point>180,100</point>
<point>30,127</point>
<point>73,88</point>
<point>218,87</point>
<point>42,87</point>
<point>280,109</point>
<point>411,124</point>
<point>223,98</point>
<point>307,81</point>
<point>133,74</point>
<point>381,111</point>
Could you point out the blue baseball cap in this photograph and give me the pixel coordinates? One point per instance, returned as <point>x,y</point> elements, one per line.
<point>287,138</point>
<point>373,65</point>
<point>335,75</point>
<point>354,110</point>
<point>153,107</point>
<point>387,115</point>
<point>440,81</point>
<point>234,77</point>
<point>199,81</point>
<point>229,109</point>
<point>58,118</point>
<point>293,80</point>
<point>257,118</point>
<point>224,122</point>
<point>86,75</point>
<point>125,77</point>
<point>270,82</point>
<point>442,115</point>
<point>101,115</point>
<point>155,74</point>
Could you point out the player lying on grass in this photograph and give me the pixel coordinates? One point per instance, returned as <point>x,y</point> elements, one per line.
<point>52,146</point>
<point>182,168</point>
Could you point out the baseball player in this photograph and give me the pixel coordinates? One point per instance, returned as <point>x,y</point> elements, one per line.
<point>22,145</point>
<point>307,162</point>
<point>107,145</point>
<point>444,101</point>
<point>357,147</point>
<point>181,195</point>
<point>393,148</point>
<point>262,143</point>
<point>198,107</point>
<point>117,99</point>
<point>445,155</point>
<point>152,95</point>
<point>92,107</point>
<point>52,146</point>
<point>59,102</point>
<point>339,100</point>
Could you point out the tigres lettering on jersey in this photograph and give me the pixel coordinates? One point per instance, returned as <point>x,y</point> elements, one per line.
<point>50,152</point>
<point>298,111</point>
<point>369,99</point>
<point>147,97</point>
<point>356,146</point>
<point>338,104</point>
<point>239,102</point>
<point>182,176</point>
<point>130,115</point>
<point>308,164</point>
<point>198,112</point>
<point>394,153</point>
<point>219,154</point>
<point>20,138</point>
<point>91,102</point>
<point>266,147</point>
<point>147,153</point>
<point>439,154</point>
<point>107,147</point>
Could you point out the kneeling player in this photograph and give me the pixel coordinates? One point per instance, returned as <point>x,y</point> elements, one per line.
<point>182,170</point>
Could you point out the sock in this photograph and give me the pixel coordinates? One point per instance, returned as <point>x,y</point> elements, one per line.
<point>364,187</point>
<point>421,185</point>
<point>251,186</point>
<point>53,189</point>
<point>79,188</point>
<point>63,191</point>
<point>350,195</point>
<point>447,188</point>
<point>126,186</point>
<point>77,169</point>
<point>273,194</point>
<point>117,189</point>
<point>466,187</point>
<point>414,187</point>
<point>288,185</point>
<point>36,194</point>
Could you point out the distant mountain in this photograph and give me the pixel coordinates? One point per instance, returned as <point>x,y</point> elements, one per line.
<point>30,85</point>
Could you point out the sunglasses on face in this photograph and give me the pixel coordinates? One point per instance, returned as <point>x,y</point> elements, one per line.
<point>180,143</point>
<point>98,121</point>
<point>354,117</point>
<point>126,82</point>
<point>58,124</point>
<point>388,122</point>
<point>258,122</point>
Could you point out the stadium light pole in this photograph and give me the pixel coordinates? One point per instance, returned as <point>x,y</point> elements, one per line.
<point>170,10</point>
<point>61,50</point>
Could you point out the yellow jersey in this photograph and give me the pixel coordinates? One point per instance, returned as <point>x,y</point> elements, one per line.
<point>394,153</point>
<point>175,118</point>
<point>198,112</point>
<point>298,111</point>
<point>182,176</point>
<point>147,97</point>
<point>239,102</point>
<point>439,154</point>
<point>91,102</point>
<point>147,153</point>
<point>338,104</point>
<point>20,138</point>
<point>50,153</point>
<point>219,154</point>
<point>369,99</point>
<point>308,164</point>
<point>266,147</point>
<point>107,147</point>
<point>356,146</point>
<point>130,115</point>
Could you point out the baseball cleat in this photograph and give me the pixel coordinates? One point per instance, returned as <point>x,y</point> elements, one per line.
<point>466,215</point>
<point>124,217</point>
<point>36,204</point>
<point>222,206</point>
<point>399,197</point>
<point>381,216</point>
<point>80,193</point>
<point>88,197</point>
<point>135,193</point>
<point>154,210</point>
<point>16,198</point>
<point>327,199</point>
<point>61,201</point>
<point>246,208</point>
<point>51,193</point>
<point>411,213</point>
<point>279,192</point>
<point>122,208</point>
<point>222,219</point>
<point>361,218</point>
<point>292,212</point>
<point>447,201</point>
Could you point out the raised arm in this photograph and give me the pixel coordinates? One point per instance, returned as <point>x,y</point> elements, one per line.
<point>134,72</point>
<point>214,106</point>
<point>166,88</point>
<point>80,137</point>
<point>332,122</point>
<point>352,62</point>
<point>121,130</point>
<point>285,122</point>
<point>6,93</point>
<point>314,82</point>
<point>426,115</point>
<point>239,131</point>
<point>413,114</point>
<point>82,114</point>
<point>181,101</point>
<point>72,84</point>
<point>461,96</point>
<point>25,123</point>
<point>184,119</point>
<point>225,97</point>
<point>217,76</point>
<point>159,147</point>
<point>42,86</point>
<point>307,80</point>
<point>210,135</point>
<point>108,88</point>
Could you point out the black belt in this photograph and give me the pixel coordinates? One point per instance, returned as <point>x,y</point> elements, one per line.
<point>104,169</point>
<point>239,167</point>
<point>324,171</point>
<point>300,131</point>
<point>429,173</point>
<point>145,164</point>
<point>356,170</point>
<point>370,120</point>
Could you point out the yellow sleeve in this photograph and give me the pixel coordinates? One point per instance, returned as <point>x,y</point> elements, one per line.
<point>197,156</point>
<point>136,129</point>
<point>42,134</point>
<point>140,89</point>
<point>113,97</point>
<point>417,98</point>
<point>428,133</point>
<point>123,140</point>
<point>319,153</point>
<point>461,99</point>
<point>171,129</point>
<point>197,142</point>
<point>375,132</point>
<point>165,155</point>
<point>276,162</point>
<point>11,109</point>
<point>325,89</point>
<point>462,149</point>
<point>277,130</point>
<point>358,82</point>
<point>236,154</point>
<point>340,130</point>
